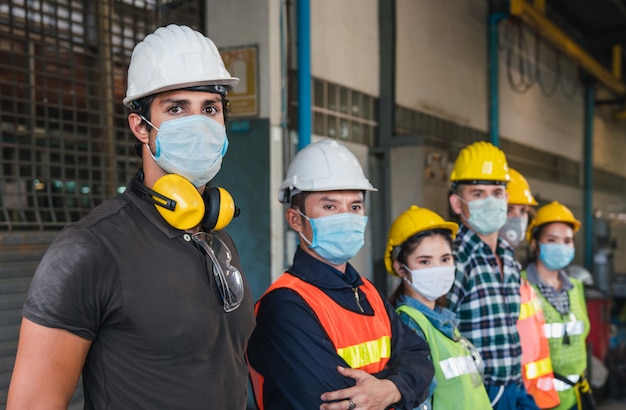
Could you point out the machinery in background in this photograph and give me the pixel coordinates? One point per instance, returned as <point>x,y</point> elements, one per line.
<point>603,250</point>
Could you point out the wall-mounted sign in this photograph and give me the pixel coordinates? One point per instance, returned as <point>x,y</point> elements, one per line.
<point>241,62</point>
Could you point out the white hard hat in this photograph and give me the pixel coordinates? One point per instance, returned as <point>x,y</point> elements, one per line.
<point>323,166</point>
<point>175,57</point>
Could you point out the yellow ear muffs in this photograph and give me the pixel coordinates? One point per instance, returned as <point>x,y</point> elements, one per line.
<point>182,206</point>
<point>220,208</point>
<point>187,209</point>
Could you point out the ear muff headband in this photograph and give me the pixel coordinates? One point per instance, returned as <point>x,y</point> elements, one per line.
<point>152,196</point>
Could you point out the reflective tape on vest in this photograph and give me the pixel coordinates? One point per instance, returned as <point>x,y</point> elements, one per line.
<point>366,353</point>
<point>457,366</point>
<point>538,368</point>
<point>555,330</point>
<point>545,384</point>
<point>530,308</point>
<point>562,386</point>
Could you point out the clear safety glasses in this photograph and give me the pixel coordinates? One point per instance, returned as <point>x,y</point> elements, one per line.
<point>228,277</point>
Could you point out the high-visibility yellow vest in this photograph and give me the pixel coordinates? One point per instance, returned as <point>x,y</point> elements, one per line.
<point>568,359</point>
<point>459,385</point>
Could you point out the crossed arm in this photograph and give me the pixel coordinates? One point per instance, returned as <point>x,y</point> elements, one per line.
<point>291,350</point>
<point>368,393</point>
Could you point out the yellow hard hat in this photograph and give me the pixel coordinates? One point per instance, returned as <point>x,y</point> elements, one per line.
<point>481,161</point>
<point>552,212</point>
<point>413,221</point>
<point>519,190</point>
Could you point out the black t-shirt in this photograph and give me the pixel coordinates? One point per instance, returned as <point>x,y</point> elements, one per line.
<point>146,297</point>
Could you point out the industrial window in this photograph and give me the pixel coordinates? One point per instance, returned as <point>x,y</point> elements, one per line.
<point>65,145</point>
<point>338,112</point>
<point>343,113</point>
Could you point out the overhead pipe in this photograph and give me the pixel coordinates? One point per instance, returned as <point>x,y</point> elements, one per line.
<point>387,23</point>
<point>548,30</point>
<point>535,19</point>
<point>588,177</point>
<point>617,61</point>
<point>303,18</point>
<point>493,74</point>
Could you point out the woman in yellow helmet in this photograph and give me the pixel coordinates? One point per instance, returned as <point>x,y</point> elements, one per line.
<point>551,236</point>
<point>419,251</point>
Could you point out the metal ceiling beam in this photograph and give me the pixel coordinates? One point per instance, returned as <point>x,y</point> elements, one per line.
<point>617,61</point>
<point>538,22</point>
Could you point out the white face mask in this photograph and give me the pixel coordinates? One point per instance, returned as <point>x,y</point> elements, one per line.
<point>432,283</point>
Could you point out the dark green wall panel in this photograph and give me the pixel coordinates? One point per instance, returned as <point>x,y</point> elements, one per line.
<point>245,174</point>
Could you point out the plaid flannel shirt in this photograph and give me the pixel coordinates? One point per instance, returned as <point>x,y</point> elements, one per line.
<point>487,306</point>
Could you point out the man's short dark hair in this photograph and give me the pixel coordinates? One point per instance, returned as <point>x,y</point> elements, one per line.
<point>298,200</point>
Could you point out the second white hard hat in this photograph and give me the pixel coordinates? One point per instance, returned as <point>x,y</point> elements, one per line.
<point>175,57</point>
<point>323,166</point>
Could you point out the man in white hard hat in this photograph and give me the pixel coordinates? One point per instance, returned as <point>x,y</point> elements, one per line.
<point>141,296</point>
<point>325,338</point>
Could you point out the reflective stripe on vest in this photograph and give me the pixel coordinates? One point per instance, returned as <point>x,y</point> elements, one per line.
<point>363,341</point>
<point>560,385</point>
<point>538,368</point>
<point>529,308</point>
<point>366,353</point>
<point>546,384</point>
<point>555,330</point>
<point>457,366</point>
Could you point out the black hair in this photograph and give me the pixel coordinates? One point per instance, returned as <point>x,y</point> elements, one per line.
<point>298,200</point>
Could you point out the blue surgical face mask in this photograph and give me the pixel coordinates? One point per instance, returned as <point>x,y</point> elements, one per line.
<point>513,230</point>
<point>555,256</point>
<point>487,215</point>
<point>337,238</point>
<point>191,146</point>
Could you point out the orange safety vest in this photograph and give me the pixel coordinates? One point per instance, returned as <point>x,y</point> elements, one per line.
<point>536,364</point>
<point>363,341</point>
